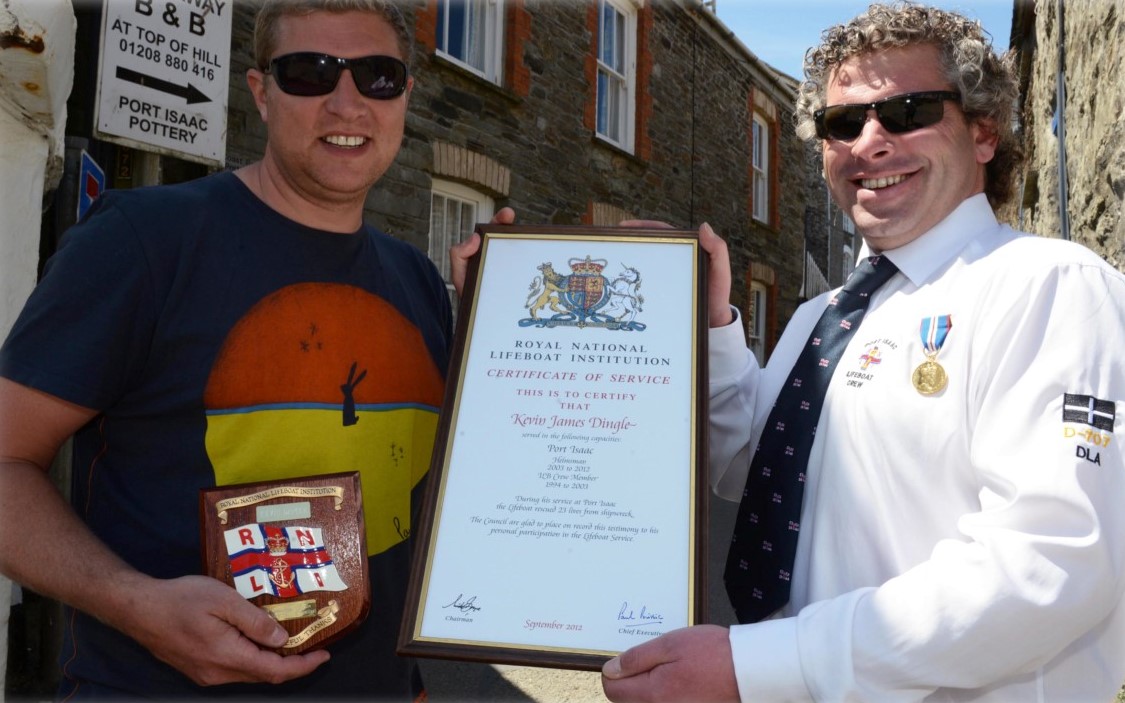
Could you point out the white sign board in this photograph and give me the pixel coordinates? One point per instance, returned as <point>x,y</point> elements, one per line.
<point>163,76</point>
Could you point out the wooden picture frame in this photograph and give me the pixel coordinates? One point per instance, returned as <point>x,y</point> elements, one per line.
<point>564,519</point>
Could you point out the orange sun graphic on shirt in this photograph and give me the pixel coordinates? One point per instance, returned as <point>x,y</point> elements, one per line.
<point>322,378</point>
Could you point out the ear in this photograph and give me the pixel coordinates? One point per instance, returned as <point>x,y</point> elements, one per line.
<point>985,139</point>
<point>256,80</point>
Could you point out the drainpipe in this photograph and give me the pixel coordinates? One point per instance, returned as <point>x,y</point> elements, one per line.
<point>36,74</point>
<point>1060,111</point>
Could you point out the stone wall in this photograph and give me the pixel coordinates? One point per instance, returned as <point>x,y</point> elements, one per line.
<point>1094,62</point>
<point>692,158</point>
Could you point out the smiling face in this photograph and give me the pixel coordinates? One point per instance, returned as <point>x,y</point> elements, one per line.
<point>898,186</point>
<point>325,152</point>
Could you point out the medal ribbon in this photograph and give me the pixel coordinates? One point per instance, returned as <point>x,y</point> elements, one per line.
<point>933,332</point>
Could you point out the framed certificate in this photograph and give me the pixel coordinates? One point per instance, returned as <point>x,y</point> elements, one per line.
<point>567,494</point>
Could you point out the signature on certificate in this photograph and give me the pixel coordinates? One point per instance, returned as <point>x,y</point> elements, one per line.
<point>645,617</point>
<point>465,605</point>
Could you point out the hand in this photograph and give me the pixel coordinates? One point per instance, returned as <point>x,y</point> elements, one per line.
<point>718,277</point>
<point>690,664</point>
<point>459,254</point>
<point>210,633</point>
<point>718,271</point>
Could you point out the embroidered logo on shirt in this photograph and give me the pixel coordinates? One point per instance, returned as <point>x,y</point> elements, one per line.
<point>1089,411</point>
<point>867,363</point>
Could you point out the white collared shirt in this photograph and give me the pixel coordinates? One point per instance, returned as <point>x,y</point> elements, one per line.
<point>965,545</point>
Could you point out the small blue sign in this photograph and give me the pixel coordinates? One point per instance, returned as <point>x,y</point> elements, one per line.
<point>91,183</point>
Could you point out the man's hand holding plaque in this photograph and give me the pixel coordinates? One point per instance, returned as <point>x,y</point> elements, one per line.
<point>294,547</point>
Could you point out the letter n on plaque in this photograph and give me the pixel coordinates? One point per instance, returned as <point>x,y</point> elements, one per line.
<point>295,547</point>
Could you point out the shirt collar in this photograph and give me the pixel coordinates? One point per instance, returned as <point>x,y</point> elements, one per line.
<point>919,259</point>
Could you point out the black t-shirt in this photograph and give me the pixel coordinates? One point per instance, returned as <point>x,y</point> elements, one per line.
<point>224,343</point>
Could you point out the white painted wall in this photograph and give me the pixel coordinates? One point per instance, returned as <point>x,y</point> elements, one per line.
<point>34,85</point>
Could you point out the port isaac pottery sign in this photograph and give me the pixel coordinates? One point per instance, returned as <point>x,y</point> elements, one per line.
<point>163,77</point>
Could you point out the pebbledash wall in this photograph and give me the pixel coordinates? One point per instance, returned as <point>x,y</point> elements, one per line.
<point>1085,52</point>
<point>529,142</point>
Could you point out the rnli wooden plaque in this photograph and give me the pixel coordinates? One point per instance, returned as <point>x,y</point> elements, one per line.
<point>294,547</point>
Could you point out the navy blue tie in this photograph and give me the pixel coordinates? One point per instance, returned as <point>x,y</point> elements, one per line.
<point>764,545</point>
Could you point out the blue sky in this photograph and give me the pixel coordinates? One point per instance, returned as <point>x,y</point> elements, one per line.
<point>779,31</point>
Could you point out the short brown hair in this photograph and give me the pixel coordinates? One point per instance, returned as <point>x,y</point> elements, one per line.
<point>265,25</point>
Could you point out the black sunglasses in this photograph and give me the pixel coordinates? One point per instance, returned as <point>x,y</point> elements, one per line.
<point>308,74</point>
<point>897,114</point>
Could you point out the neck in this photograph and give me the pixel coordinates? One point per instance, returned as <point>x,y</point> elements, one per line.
<point>266,181</point>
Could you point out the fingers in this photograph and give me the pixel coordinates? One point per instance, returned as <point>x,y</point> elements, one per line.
<point>647,224</point>
<point>210,633</point>
<point>273,668</point>
<point>256,625</point>
<point>459,255</point>
<point>504,216</point>
<point>718,271</point>
<point>638,660</point>
<point>692,663</point>
<point>246,649</point>
<point>718,277</point>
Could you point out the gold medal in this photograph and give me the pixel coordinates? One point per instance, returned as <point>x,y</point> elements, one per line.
<point>929,377</point>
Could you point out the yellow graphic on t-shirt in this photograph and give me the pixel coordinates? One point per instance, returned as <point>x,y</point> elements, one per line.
<point>325,378</point>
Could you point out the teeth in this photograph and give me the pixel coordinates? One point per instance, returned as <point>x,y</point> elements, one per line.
<point>340,140</point>
<point>876,183</point>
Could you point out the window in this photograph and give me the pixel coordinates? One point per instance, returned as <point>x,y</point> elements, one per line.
<point>760,162</point>
<point>756,321</point>
<point>616,73</point>
<point>470,32</point>
<point>454,210</point>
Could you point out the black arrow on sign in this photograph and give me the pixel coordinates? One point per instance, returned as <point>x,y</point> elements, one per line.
<point>188,92</point>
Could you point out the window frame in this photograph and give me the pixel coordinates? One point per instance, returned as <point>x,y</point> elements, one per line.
<point>438,247</point>
<point>490,45</point>
<point>624,77</point>
<point>760,168</point>
<point>757,311</point>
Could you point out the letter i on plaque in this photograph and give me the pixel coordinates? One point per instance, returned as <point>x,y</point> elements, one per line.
<point>296,548</point>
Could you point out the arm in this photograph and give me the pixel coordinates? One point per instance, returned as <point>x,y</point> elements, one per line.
<point>733,372</point>
<point>196,624</point>
<point>1024,587</point>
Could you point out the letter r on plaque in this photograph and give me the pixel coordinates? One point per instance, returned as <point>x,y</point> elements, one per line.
<point>296,548</point>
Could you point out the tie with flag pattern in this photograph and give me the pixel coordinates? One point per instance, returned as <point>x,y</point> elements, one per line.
<point>764,545</point>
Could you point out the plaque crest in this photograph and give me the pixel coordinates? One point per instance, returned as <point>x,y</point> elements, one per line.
<point>296,548</point>
<point>585,297</point>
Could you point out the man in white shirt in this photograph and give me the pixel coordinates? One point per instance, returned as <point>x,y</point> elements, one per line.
<point>962,535</point>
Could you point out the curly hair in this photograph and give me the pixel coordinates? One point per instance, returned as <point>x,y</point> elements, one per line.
<point>265,23</point>
<point>987,82</point>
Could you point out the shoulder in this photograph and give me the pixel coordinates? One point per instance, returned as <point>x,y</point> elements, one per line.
<point>398,252</point>
<point>1028,272</point>
<point>156,212</point>
<point>1021,256</point>
<point>165,201</point>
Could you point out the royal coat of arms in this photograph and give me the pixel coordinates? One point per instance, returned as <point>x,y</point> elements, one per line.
<point>585,298</point>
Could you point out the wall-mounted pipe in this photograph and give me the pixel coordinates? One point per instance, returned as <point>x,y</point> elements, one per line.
<point>1060,112</point>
